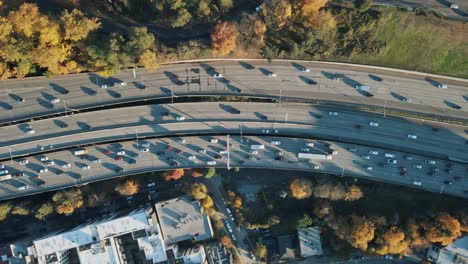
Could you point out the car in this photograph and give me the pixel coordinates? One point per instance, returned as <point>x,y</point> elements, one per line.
<point>191,157</point>
<point>85,167</point>
<point>54,100</point>
<point>279,153</point>
<point>316,167</point>
<point>409,157</point>
<point>120,170</point>
<point>160,153</point>
<point>406,99</point>
<point>202,151</point>
<point>223,152</point>
<point>211,162</point>
<point>418,183</point>
<point>392,161</point>
<point>40,182</point>
<point>402,173</point>
<point>42,170</point>
<point>144,149</point>
<point>279,158</point>
<point>50,163</point>
<point>366,157</point>
<point>174,163</point>
<point>23,162</point>
<point>417,166</point>
<point>96,161</point>
<point>104,86</point>
<point>107,152</point>
<point>253,152</point>
<point>217,156</point>
<point>180,118</point>
<point>121,152</point>
<point>30,131</point>
<point>18,174</point>
<point>373,152</point>
<point>436,169</point>
<point>369,168</point>
<point>333,113</point>
<point>305,69</point>
<point>179,152</point>
<point>119,158</point>
<point>454,6</point>
<point>305,149</point>
<point>58,172</point>
<point>374,124</point>
<point>135,155</point>
<point>447,182</point>
<point>181,140</point>
<point>23,187</point>
<point>276,143</point>
<point>442,86</point>
<point>431,162</point>
<point>20,100</point>
<point>333,152</point>
<point>132,161</point>
<point>66,165</point>
<point>352,149</point>
<point>145,145</point>
<point>214,140</point>
<point>44,158</point>
<point>309,144</point>
<point>151,184</point>
<point>258,8</point>
<point>217,75</point>
<point>412,136</point>
<point>120,84</point>
<point>338,77</point>
<point>272,75</point>
<point>251,158</point>
<point>168,147</point>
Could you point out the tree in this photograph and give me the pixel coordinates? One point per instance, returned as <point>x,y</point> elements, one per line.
<point>76,26</point>
<point>203,9</point>
<point>174,174</point>
<point>198,191</point>
<point>362,5</point>
<point>45,210</point>
<point>237,202</point>
<point>225,5</point>
<point>139,42</point>
<point>226,241</point>
<point>224,38</point>
<point>252,30</point>
<point>361,233</point>
<point>183,17</point>
<point>95,199</point>
<point>353,193</point>
<point>392,241</point>
<point>330,191</point>
<point>274,220</point>
<point>413,229</point>
<point>276,13</point>
<point>304,221</point>
<point>301,188</point>
<point>129,187</point>
<point>149,60</point>
<point>309,6</point>
<point>210,172</point>
<point>444,229</point>
<point>67,201</point>
<point>260,250</point>
<point>207,202</point>
<point>5,209</point>
<point>21,209</point>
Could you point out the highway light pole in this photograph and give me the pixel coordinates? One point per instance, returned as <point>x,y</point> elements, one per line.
<point>228,153</point>
<point>442,188</point>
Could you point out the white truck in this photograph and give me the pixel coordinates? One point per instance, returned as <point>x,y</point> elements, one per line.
<point>79,152</point>
<point>314,156</point>
<point>257,147</point>
<point>362,88</point>
<point>5,177</point>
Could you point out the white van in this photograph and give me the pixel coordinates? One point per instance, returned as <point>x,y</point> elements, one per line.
<point>211,162</point>
<point>23,188</point>
<point>276,143</point>
<point>389,155</point>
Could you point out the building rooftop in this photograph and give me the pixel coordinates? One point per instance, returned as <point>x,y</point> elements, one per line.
<point>217,254</point>
<point>455,253</point>
<point>64,241</point>
<point>181,219</point>
<point>286,247</point>
<point>309,241</point>
<point>123,225</point>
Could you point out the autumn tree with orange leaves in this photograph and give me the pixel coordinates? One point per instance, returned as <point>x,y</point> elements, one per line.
<point>174,174</point>
<point>129,187</point>
<point>224,38</point>
<point>301,188</point>
<point>392,241</point>
<point>226,241</point>
<point>67,201</point>
<point>444,229</point>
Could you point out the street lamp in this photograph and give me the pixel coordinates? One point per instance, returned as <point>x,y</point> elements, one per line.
<point>228,153</point>
<point>442,188</point>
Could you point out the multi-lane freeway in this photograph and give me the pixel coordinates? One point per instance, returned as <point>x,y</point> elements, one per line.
<point>33,97</point>
<point>105,161</point>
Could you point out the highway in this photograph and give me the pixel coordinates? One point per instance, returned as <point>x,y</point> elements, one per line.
<point>158,157</point>
<point>32,97</point>
<point>433,139</point>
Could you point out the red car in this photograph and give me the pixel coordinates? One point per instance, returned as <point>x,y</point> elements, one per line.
<point>107,152</point>
<point>179,152</point>
<point>168,148</point>
<point>119,158</point>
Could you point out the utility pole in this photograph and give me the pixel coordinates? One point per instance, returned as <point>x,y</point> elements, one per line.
<point>228,154</point>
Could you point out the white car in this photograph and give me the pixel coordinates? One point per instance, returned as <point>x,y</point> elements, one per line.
<point>392,161</point>
<point>24,162</point>
<point>374,152</point>
<point>366,157</point>
<point>276,143</point>
<point>43,170</point>
<point>30,131</point>
<point>50,163</point>
<point>104,86</point>
<point>305,69</point>
<point>44,158</point>
<point>66,165</point>
<point>369,168</point>
<point>417,166</point>
<point>374,124</point>
<point>305,149</point>
<point>191,157</point>
<point>217,75</point>
<point>310,144</point>
<point>431,162</point>
<point>223,152</point>
<point>23,187</point>
<point>442,86</point>
<point>213,140</point>
<point>258,8</point>
<point>121,153</point>
<point>316,167</point>
<point>253,152</point>
<point>412,136</point>
<point>54,100</point>
<point>334,152</point>
<point>145,145</point>
<point>144,149</point>
<point>181,140</point>
<point>86,167</point>
<point>333,113</point>
<point>95,161</point>
<point>271,75</point>
<point>202,151</point>
<point>418,183</point>
<point>180,118</point>
<point>211,162</point>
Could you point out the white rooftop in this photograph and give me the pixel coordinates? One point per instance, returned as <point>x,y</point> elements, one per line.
<point>309,241</point>
<point>122,225</point>
<point>181,219</point>
<point>99,253</point>
<point>64,241</point>
<point>455,253</point>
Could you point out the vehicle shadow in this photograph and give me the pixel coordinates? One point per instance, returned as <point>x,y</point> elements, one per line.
<point>15,97</point>
<point>375,77</point>
<point>328,75</point>
<point>114,94</point>
<point>5,106</point>
<point>261,116</point>
<point>208,69</point>
<point>45,103</point>
<point>175,79</point>
<point>60,123</point>
<point>265,71</point>
<point>452,105</point>
<point>59,89</point>
<point>307,80</point>
<point>432,82</point>
<point>139,85</point>
<point>246,65</point>
<point>229,109</point>
<point>232,88</point>
<point>88,91</point>
<point>297,66</point>
<point>350,82</point>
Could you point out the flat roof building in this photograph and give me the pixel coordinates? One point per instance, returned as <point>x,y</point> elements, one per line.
<point>181,219</point>
<point>455,253</point>
<point>309,241</point>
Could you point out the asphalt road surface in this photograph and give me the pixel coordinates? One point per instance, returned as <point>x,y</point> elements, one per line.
<point>388,88</point>
<point>433,139</point>
<point>159,158</point>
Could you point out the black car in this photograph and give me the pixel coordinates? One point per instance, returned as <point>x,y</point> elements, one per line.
<point>58,172</point>
<point>174,163</point>
<point>170,158</point>
<point>18,174</point>
<point>40,182</point>
<point>120,170</point>
<point>402,173</point>
<point>160,153</point>
<point>217,156</point>
<point>448,182</point>
<point>165,114</point>
<point>279,158</point>
<point>132,161</point>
